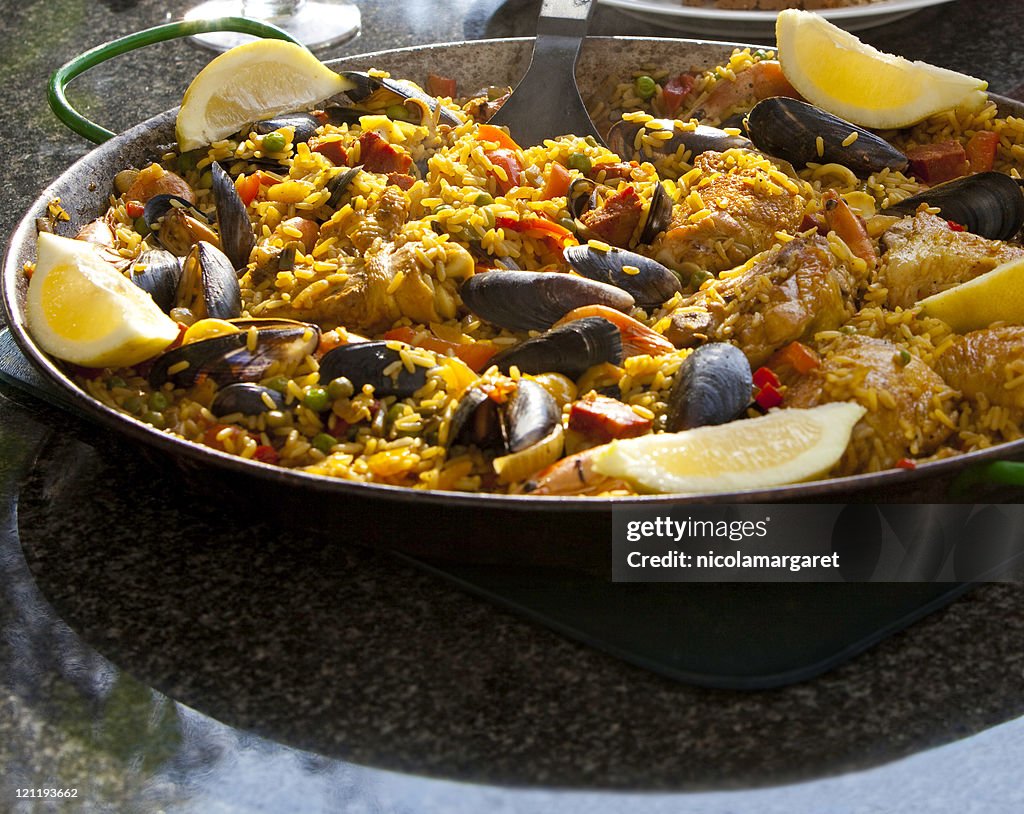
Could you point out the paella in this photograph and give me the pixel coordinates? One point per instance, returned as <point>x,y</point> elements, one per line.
<point>388,289</point>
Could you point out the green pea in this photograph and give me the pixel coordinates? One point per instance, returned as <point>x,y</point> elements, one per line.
<point>275,418</point>
<point>316,399</point>
<point>274,142</point>
<point>591,141</point>
<point>581,162</point>
<point>157,401</point>
<point>140,226</point>
<point>154,419</point>
<point>848,329</point>
<point>133,404</point>
<point>340,388</point>
<point>700,277</point>
<point>483,199</point>
<point>568,223</point>
<point>644,86</point>
<point>116,381</point>
<point>278,383</point>
<point>398,113</point>
<point>903,357</point>
<point>323,442</point>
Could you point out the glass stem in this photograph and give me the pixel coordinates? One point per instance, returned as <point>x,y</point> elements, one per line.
<point>268,9</point>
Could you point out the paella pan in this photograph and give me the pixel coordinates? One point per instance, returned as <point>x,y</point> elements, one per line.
<point>674,337</point>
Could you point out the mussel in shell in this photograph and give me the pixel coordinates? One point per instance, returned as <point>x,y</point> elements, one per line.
<point>527,428</point>
<point>246,398</point>
<point>237,239</point>
<point>646,280</point>
<point>570,349</point>
<point>304,124</point>
<point>713,385</point>
<point>585,195</point>
<point>158,273</point>
<point>694,139</point>
<point>790,129</point>
<point>535,300</point>
<point>659,214</point>
<point>367,86</point>
<point>208,285</point>
<point>373,363</point>
<point>176,223</point>
<point>989,204</point>
<point>339,184</point>
<point>279,346</point>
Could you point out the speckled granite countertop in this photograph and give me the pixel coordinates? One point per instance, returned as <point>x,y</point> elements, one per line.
<point>194,663</point>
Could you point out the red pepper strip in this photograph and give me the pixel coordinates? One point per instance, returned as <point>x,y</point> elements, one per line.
<point>674,91</point>
<point>440,86</point>
<point>333,151</point>
<point>768,397</point>
<point>248,187</point>
<point>475,355</point>
<point>981,150</point>
<point>489,132</point>
<point>557,183</point>
<point>798,356</point>
<point>266,454</point>
<point>906,463</point>
<point>956,227</point>
<point>765,376</point>
<point>134,209</point>
<point>508,161</point>
<point>538,227</point>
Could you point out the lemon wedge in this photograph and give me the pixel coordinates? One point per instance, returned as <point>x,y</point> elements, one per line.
<point>254,81</point>
<point>784,446</point>
<point>996,296</point>
<point>83,310</point>
<point>837,72</point>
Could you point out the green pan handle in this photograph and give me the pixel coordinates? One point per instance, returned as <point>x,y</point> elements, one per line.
<point>996,473</point>
<point>59,103</point>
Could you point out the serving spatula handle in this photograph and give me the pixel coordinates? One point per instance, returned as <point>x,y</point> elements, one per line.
<point>565,18</point>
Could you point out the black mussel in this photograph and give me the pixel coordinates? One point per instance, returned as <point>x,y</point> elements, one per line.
<point>581,196</point>
<point>246,398</point>
<point>366,86</point>
<point>696,140</point>
<point>646,280</point>
<point>713,385</point>
<point>176,223</point>
<point>339,184</point>
<point>531,415</point>
<point>569,349</point>
<point>373,363</point>
<point>237,239</point>
<point>158,272</point>
<point>280,344</point>
<point>208,286</point>
<point>789,129</point>
<point>989,204</point>
<point>535,300</point>
<point>659,214</point>
<point>475,420</point>
<point>305,126</point>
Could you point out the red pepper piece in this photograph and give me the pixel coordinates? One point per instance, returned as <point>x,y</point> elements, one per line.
<point>981,150</point>
<point>768,397</point>
<point>765,376</point>
<point>134,209</point>
<point>906,463</point>
<point>956,227</point>
<point>266,454</point>
<point>440,86</point>
<point>674,91</point>
<point>509,162</point>
<point>376,155</point>
<point>332,151</point>
<point>400,180</point>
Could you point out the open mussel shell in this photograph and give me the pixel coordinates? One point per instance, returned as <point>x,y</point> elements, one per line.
<point>989,204</point>
<point>305,126</point>
<point>280,344</point>
<point>713,385</point>
<point>659,214</point>
<point>208,286</point>
<point>531,415</point>
<point>646,280</point>
<point>158,273</point>
<point>581,196</point>
<point>372,363</point>
<point>570,349</point>
<point>338,185</point>
<point>366,86</point>
<point>176,223</point>
<point>237,239</point>
<point>699,139</point>
<point>246,398</point>
<point>535,300</point>
<point>528,416</point>
<point>789,129</point>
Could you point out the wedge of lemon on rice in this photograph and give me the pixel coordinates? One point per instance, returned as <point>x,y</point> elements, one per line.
<point>83,310</point>
<point>258,80</point>
<point>834,70</point>
<point>783,446</point>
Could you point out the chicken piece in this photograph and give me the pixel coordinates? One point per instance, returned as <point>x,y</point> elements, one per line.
<point>988,366</point>
<point>616,219</point>
<point>904,398</point>
<point>791,292</point>
<point>923,256</point>
<point>746,200</point>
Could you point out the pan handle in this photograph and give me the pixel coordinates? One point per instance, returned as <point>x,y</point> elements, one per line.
<point>994,473</point>
<point>59,103</point>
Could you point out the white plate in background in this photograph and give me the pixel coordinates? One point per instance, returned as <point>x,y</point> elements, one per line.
<point>736,24</point>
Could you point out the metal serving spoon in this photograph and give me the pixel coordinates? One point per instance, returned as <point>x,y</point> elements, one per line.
<point>546,103</point>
